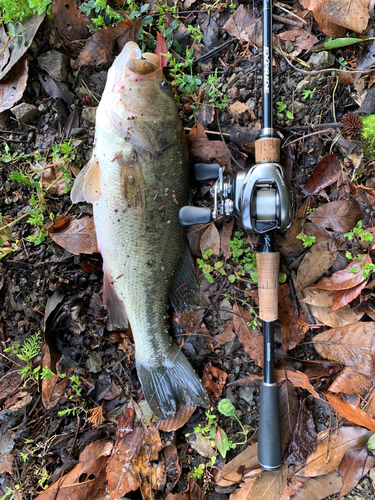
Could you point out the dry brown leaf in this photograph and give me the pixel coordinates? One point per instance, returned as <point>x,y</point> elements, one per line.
<point>351,382</point>
<point>298,379</point>
<point>331,448</point>
<point>352,14</point>
<point>324,174</point>
<point>351,469</point>
<point>251,340</point>
<point>4,221</point>
<point>301,40</point>
<point>326,25</point>
<point>77,237</point>
<point>225,236</point>
<point>237,109</point>
<point>340,216</point>
<point>316,488</point>
<point>52,390</point>
<point>350,345</point>
<point>172,465</point>
<point>288,405</point>
<point>206,151</point>
<point>53,179</point>
<point>6,463</point>
<point>13,86</point>
<point>244,26</point>
<point>92,463</point>
<point>351,412</point>
<point>226,336</point>
<point>233,471</point>
<point>211,239</point>
<point>320,298</point>
<point>244,491</point>
<point>312,369</point>
<point>213,380</point>
<point>344,279</point>
<point>293,329</point>
<point>174,422</point>
<point>342,297</point>
<point>269,485</point>
<point>316,262</point>
<point>146,462</point>
<point>68,20</point>
<point>291,489</point>
<point>342,317</point>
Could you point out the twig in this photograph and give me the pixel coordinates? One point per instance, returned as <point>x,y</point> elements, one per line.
<point>12,140</point>
<point>285,20</point>
<point>305,128</point>
<point>216,49</point>
<point>325,131</point>
<point>279,6</point>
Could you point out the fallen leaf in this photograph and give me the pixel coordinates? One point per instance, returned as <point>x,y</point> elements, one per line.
<point>6,463</point>
<point>312,369</point>
<point>350,345</point>
<point>174,422</point>
<point>52,390</point>
<point>201,444</point>
<point>298,379</point>
<point>293,329</point>
<point>77,237</point>
<point>21,38</point>
<point>342,297</point>
<point>172,465</point>
<point>92,463</point>
<point>351,412</point>
<point>352,14</point>
<point>3,233</point>
<point>226,336</point>
<point>351,382</point>
<point>68,20</point>
<point>331,448</point>
<point>342,317</point>
<point>146,462</point>
<point>233,471</point>
<point>211,239</point>
<point>288,408</point>
<point>225,236</point>
<point>269,485</point>
<point>326,25</point>
<point>52,177</point>
<point>245,26</point>
<point>351,469</point>
<point>192,492</point>
<point>304,436</point>
<point>324,174</point>
<point>344,279</point>
<point>316,488</point>
<point>301,40</point>
<point>244,490</point>
<point>247,381</point>
<point>202,150</point>
<point>213,380</point>
<point>320,298</point>
<point>340,216</point>
<point>57,90</point>
<point>13,86</point>
<point>316,262</point>
<point>291,489</point>
<point>237,109</point>
<point>251,340</point>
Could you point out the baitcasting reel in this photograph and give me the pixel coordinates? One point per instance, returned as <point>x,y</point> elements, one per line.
<point>261,198</point>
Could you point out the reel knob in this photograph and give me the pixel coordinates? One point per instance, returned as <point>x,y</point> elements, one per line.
<point>206,171</point>
<point>188,216</point>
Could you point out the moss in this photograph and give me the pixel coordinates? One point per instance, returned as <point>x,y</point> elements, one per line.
<point>368,135</point>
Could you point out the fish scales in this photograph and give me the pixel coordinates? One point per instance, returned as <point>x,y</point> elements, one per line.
<point>137,181</point>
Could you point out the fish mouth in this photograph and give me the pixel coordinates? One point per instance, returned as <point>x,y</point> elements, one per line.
<point>139,67</point>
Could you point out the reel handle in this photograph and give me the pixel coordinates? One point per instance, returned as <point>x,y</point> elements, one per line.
<point>188,216</point>
<point>206,171</point>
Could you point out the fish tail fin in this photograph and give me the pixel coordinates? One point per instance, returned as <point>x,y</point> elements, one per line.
<point>172,383</point>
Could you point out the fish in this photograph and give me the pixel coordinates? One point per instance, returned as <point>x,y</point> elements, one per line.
<point>137,180</point>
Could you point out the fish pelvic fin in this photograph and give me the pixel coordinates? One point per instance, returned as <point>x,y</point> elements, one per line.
<point>87,184</point>
<point>115,306</point>
<point>170,384</point>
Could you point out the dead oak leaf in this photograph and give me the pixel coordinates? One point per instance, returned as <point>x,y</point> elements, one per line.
<point>325,24</point>
<point>301,40</point>
<point>352,14</point>
<point>351,412</point>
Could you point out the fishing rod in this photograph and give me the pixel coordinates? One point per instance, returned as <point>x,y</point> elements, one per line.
<point>261,198</point>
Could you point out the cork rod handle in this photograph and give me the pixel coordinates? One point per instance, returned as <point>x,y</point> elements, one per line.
<point>268,280</point>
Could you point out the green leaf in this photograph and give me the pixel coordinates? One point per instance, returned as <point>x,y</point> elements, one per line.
<point>222,442</point>
<point>371,443</point>
<point>226,407</point>
<point>282,278</point>
<point>342,42</point>
<point>232,278</point>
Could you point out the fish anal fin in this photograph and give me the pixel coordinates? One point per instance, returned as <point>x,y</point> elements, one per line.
<point>114,305</point>
<point>185,291</point>
<point>87,184</point>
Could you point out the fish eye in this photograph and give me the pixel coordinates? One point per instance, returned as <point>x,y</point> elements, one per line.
<point>166,86</point>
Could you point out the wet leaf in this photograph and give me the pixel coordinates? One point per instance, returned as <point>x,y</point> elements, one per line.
<point>304,436</point>
<point>211,239</point>
<point>251,340</point>
<point>316,262</point>
<point>298,379</point>
<point>174,422</point>
<point>293,329</point>
<point>328,27</point>
<point>316,488</point>
<point>237,109</point>
<point>68,20</point>
<point>77,237</point>
<point>206,151</point>
<point>351,412</point>
<point>342,297</point>
<point>350,345</point>
<point>172,465</point>
<point>146,462</point>
<point>312,369</point>
<point>226,336</point>
<point>342,317</point>
<point>192,492</point>
<point>288,407</point>
<point>342,280</point>
<point>213,380</point>
<point>13,87</point>
<point>324,174</point>
<point>269,485</point>
<point>351,382</point>
<point>244,490</point>
<point>340,216</point>
<point>233,471</point>
<point>351,468</point>
<point>301,40</point>
<point>244,26</point>
<point>352,14</point>
<point>331,448</point>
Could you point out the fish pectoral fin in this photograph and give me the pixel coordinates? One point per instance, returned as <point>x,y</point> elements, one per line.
<point>87,184</point>
<point>171,383</point>
<point>185,291</point>
<point>115,306</point>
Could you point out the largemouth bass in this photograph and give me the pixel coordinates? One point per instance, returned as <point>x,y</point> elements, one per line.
<point>137,180</point>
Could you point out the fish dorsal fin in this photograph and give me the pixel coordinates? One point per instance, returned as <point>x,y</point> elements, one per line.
<point>185,292</point>
<point>114,305</point>
<point>87,184</point>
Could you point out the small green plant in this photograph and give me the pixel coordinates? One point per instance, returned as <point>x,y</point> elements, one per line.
<point>307,241</point>
<point>210,271</point>
<point>359,233</point>
<point>14,12</point>
<point>367,268</point>
<point>281,107</point>
<point>76,394</point>
<point>9,493</point>
<point>368,135</point>
<point>182,73</point>
<point>195,33</point>
<point>308,94</point>
<point>216,96</point>
<point>227,409</point>
<point>30,349</point>
<point>67,154</point>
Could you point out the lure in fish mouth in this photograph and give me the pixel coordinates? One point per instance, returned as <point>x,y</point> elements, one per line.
<point>137,180</point>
